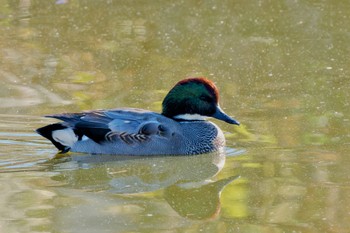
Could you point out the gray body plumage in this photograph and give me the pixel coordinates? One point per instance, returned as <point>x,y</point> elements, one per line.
<point>138,132</point>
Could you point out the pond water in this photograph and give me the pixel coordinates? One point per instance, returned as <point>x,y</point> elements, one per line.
<point>282,68</point>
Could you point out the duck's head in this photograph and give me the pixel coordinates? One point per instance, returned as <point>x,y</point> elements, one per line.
<point>194,99</point>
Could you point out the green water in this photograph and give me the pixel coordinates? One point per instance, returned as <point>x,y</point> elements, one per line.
<point>282,68</point>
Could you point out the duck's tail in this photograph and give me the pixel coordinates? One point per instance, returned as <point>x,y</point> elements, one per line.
<point>62,136</point>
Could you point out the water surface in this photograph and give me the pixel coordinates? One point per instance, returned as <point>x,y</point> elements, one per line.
<point>283,71</point>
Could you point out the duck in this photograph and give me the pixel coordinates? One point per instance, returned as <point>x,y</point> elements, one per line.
<point>182,128</point>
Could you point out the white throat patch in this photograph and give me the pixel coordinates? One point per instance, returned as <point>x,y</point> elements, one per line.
<point>190,117</point>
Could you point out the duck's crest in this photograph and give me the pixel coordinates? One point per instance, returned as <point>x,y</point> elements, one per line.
<point>209,85</point>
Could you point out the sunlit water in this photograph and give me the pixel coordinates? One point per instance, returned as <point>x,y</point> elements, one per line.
<point>281,67</point>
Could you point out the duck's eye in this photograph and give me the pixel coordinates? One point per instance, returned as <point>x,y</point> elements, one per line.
<point>205,98</point>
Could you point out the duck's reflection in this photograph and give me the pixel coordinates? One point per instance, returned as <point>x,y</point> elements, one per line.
<point>184,179</point>
<point>198,202</point>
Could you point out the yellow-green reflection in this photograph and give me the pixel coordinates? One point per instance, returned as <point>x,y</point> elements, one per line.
<point>281,67</point>
<point>184,179</point>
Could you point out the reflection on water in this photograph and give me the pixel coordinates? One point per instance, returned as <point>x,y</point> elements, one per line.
<point>184,179</point>
<point>281,67</point>
<point>188,199</point>
<point>132,174</point>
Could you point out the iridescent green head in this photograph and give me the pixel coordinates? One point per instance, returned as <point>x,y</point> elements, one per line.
<point>194,99</point>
